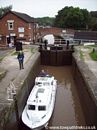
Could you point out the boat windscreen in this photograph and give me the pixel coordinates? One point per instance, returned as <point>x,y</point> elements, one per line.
<point>31,107</point>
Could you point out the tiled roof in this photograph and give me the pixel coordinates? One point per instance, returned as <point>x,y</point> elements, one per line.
<point>23,16</point>
<point>85,35</point>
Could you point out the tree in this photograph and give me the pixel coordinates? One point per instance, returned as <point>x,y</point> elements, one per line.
<point>86,18</point>
<point>93,21</point>
<point>60,18</point>
<point>74,18</point>
<point>4,10</point>
<point>93,24</point>
<point>70,17</point>
<point>93,14</point>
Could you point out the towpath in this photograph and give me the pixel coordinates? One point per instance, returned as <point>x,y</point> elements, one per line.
<point>87,59</point>
<point>11,66</point>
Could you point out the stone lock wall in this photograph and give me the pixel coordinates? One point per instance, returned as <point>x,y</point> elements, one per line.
<point>25,82</point>
<point>87,90</point>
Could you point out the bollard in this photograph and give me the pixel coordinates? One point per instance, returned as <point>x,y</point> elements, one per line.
<point>45,44</point>
<point>93,50</point>
<point>67,47</point>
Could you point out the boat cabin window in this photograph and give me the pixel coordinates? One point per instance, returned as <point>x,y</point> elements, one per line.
<point>41,108</point>
<point>31,107</point>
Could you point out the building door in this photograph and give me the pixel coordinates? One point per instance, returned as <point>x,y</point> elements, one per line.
<point>11,39</point>
<point>8,40</point>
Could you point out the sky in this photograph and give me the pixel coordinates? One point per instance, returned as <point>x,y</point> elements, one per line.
<point>43,8</point>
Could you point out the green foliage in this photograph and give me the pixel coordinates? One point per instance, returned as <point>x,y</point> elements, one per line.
<point>4,10</point>
<point>86,18</point>
<point>45,21</point>
<point>14,53</point>
<point>94,27</point>
<point>70,17</point>
<point>94,55</point>
<point>1,58</point>
<point>93,21</point>
<point>81,55</point>
<point>92,46</point>
<point>93,14</point>
<point>33,50</point>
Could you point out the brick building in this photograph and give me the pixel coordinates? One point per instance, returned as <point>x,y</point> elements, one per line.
<point>15,25</point>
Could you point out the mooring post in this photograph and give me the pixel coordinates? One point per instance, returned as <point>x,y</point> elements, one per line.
<point>16,110</point>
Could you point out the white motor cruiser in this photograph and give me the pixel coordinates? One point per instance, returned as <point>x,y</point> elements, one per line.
<point>40,103</point>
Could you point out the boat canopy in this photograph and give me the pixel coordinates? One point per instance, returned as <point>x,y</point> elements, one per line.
<point>40,96</point>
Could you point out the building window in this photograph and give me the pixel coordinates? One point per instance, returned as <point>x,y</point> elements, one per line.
<point>21,29</point>
<point>10,24</point>
<point>29,25</point>
<point>21,35</point>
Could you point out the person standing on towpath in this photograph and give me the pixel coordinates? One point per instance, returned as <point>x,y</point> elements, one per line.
<point>21,59</point>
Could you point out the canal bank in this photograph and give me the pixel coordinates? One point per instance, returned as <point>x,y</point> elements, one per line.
<point>86,82</point>
<point>16,86</point>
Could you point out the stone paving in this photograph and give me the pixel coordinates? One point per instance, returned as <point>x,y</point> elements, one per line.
<point>11,65</point>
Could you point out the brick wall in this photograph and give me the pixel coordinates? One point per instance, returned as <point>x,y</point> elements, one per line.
<point>52,30</point>
<point>18,22</point>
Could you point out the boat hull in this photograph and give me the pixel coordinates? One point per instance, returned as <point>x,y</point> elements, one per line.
<point>43,122</point>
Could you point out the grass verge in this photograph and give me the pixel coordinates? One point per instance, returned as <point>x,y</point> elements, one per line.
<point>1,58</point>
<point>94,55</point>
<point>81,55</point>
<point>2,73</point>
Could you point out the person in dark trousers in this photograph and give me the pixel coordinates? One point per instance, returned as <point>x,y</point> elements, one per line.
<point>21,59</point>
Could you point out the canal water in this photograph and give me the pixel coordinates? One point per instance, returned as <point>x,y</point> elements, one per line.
<point>68,111</point>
